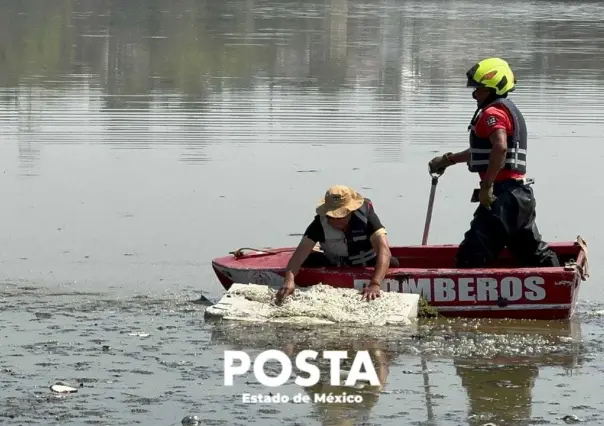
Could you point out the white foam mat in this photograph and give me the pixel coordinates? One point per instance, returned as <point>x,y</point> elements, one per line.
<point>319,304</point>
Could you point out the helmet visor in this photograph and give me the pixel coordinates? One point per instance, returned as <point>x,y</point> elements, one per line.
<point>470,74</point>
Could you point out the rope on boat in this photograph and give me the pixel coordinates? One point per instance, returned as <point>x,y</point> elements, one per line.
<point>239,252</point>
<point>584,267</point>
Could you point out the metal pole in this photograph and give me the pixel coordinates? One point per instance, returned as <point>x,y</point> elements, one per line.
<point>427,394</point>
<point>430,207</point>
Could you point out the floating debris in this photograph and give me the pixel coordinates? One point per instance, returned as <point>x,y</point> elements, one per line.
<point>202,301</point>
<point>425,310</point>
<point>191,420</point>
<point>61,388</point>
<point>571,419</point>
<point>139,334</point>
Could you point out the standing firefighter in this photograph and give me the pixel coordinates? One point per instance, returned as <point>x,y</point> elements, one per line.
<point>506,214</point>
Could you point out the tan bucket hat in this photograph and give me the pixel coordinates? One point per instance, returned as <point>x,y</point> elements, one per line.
<point>339,201</point>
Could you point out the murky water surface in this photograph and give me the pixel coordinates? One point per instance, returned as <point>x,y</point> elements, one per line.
<point>140,139</point>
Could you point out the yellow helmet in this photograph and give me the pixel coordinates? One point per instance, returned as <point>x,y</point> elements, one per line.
<point>493,73</point>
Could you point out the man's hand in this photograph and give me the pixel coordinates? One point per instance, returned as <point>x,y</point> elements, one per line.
<point>304,248</point>
<point>286,289</point>
<point>372,291</point>
<point>440,163</point>
<point>485,195</point>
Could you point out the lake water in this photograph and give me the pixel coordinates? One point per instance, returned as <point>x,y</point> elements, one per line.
<point>141,139</point>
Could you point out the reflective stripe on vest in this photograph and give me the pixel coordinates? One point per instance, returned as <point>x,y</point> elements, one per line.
<point>337,247</point>
<point>514,151</point>
<point>363,257</point>
<point>480,148</point>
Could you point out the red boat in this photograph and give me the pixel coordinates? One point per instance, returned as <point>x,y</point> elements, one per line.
<point>503,291</point>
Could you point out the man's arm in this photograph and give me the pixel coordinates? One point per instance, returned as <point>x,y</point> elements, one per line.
<point>379,241</point>
<point>498,139</point>
<point>293,267</point>
<point>312,235</point>
<point>460,157</point>
<point>304,248</point>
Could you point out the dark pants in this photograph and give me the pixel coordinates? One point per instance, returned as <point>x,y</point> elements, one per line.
<point>316,259</point>
<point>509,223</point>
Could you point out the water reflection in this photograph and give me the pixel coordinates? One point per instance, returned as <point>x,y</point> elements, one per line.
<point>141,74</point>
<point>348,413</point>
<point>198,47</point>
<point>293,339</point>
<point>499,387</point>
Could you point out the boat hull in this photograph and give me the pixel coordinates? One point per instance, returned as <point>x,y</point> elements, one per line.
<point>503,291</point>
